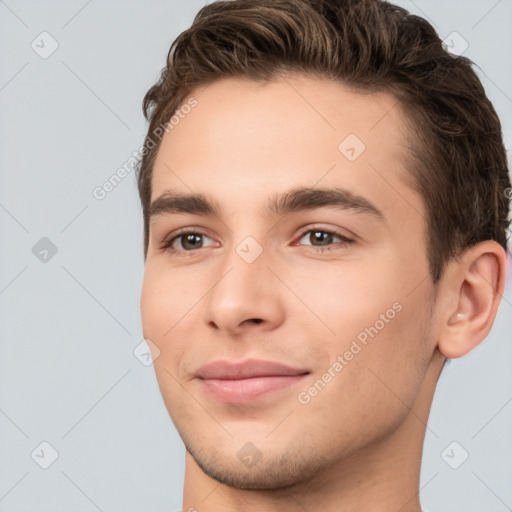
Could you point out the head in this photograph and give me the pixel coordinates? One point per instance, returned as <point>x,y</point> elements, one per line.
<point>275,122</point>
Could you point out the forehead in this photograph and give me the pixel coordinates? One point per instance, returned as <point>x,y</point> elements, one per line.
<point>244,141</point>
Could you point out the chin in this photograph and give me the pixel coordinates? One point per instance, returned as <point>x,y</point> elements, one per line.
<point>272,472</point>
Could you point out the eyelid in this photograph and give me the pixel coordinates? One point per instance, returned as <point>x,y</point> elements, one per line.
<point>332,231</point>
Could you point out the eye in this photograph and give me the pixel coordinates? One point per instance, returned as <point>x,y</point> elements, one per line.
<point>186,240</point>
<point>323,239</point>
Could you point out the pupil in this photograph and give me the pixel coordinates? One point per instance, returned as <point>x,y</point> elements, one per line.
<point>321,236</point>
<point>190,239</point>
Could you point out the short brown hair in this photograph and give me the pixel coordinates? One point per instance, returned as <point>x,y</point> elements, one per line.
<point>459,163</point>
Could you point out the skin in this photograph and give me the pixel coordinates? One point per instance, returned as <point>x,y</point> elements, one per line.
<point>357,445</point>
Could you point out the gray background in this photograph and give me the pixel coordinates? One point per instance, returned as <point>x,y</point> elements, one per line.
<point>70,323</point>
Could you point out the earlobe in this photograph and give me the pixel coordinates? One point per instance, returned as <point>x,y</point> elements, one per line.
<point>475,285</point>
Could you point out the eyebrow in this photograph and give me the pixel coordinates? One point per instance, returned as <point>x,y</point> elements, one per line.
<point>295,200</point>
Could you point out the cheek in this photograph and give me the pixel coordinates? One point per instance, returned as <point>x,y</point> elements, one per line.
<point>165,299</point>
<point>167,309</point>
<point>375,325</point>
<point>157,305</point>
<point>346,299</point>
<point>377,385</point>
<point>159,313</point>
<point>152,306</point>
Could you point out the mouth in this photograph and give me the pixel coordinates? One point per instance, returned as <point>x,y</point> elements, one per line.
<point>242,382</point>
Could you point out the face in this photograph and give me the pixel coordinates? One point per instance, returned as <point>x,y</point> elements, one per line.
<point>289,297</point>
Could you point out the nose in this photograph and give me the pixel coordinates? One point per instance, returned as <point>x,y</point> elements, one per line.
<point>246,297</point>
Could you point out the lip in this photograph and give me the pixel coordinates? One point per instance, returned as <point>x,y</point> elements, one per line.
<point>246,381</point>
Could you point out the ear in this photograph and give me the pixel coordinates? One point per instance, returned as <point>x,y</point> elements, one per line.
<point>473,285</point>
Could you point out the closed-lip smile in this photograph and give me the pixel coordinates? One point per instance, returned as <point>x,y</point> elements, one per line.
<point>246,381</point>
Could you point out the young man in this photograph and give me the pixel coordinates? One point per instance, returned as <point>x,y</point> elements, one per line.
<point>324,192</point>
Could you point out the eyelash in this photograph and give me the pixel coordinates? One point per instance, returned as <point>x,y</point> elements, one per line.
<point>167,244</point>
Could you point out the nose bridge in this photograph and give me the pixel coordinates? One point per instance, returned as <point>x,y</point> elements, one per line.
<point>244,270</point>
<point>245,288</point>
